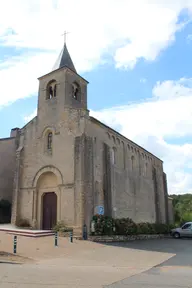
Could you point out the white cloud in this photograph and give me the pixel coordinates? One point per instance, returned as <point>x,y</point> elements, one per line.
<point>143,80</point>
<point>149,124</point>
<point>127,30</point>
<point>189,37</point>
<point>29,117</point>
<point>173,89</point>
<point>19,76</point>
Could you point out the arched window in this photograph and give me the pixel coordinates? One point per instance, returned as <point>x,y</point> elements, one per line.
<point>132,149</point>
<point>55,91</point>
<point>145,171</point>
<point>49,140</point>
<point>50,92</point>
<point>113,155</point>
<point>76,91</point>
<point>114,141</point>
<point>132,162</point>
<point>109,136</point>
<point>51,89</point>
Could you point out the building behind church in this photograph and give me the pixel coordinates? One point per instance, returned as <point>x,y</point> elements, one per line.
<point>64,164</point>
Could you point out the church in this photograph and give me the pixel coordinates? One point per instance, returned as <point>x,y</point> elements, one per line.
<point>65,165</point>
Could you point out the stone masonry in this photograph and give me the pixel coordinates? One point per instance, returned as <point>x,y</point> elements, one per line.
<point>84,163</point>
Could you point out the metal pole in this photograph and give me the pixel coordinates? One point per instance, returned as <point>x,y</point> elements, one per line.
<point>84,232</point>
<point>15,244</point>
<point>56,238</point>
<point>71,236</point>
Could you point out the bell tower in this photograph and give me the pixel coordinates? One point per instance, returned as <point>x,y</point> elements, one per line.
<point>62,88</point>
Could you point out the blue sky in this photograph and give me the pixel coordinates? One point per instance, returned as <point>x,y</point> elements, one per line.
<point>137,62</point>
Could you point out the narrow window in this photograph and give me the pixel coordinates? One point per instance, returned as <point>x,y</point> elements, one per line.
<point>145,169</point>
<point>51,89</point>
<point>75,91</point>
<point>50,92</point>
<point>114,141</point>
<point>49,141</point>
<point>55,90</point>
<point>113,155</point>
<point>132,162</point>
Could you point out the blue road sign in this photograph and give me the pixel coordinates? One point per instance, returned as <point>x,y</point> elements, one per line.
<point>100,210</point>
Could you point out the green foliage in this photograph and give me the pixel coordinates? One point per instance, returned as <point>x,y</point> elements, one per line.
<point>103,225</point>
<point>23,223</point>
<point>146,228</point>
<point>61,227</point>
<point>125,226</point>
<point>182,205</point>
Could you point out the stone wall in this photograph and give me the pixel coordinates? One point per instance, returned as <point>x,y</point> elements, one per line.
<point>121,238</point>
<point>94,165</point>
<point>131,167</point>
<point>84,181</point>
<point>35,158</point>
<point>7,167</point>
<point>65,120</point>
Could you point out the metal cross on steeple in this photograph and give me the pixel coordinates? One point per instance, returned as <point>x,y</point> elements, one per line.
<point>65,36</point>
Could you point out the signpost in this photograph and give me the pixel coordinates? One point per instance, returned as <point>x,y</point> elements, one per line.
<point>100,210</point>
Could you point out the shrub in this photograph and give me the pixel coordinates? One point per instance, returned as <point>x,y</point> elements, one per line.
<point>103,225</point>
<point>161,228</point>
<point>23,223</point>
<point>125,226</point>
<point>61,227</point>
<point>145,228</point>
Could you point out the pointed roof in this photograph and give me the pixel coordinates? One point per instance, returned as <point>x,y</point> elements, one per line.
<point>64,60</point>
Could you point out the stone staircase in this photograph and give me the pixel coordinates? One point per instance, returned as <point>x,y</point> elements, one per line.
<point>26,232</point>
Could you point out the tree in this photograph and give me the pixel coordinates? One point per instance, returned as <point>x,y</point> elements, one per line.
<point>182,205</point>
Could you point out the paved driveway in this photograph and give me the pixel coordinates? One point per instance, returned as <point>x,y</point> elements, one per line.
<point>173,273</point>
<point>85,264</point>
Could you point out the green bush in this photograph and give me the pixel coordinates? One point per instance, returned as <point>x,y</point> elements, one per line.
<point>125,226</point>
<point>23,223</point>
<point>103,225</point>
<point>61,227</point>
<point>145,228</point>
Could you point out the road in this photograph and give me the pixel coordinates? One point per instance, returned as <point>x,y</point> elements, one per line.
<point>138,264</point>
<point>173,273</point>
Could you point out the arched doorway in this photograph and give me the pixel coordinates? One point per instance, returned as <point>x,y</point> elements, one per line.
<point>49,210</point>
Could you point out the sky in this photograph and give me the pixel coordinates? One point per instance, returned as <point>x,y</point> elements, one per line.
<point>135,54</point>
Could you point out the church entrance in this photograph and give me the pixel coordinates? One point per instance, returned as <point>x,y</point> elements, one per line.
<point>49,210</point>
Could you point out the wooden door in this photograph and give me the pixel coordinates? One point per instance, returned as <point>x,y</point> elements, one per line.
<point>49,210</point>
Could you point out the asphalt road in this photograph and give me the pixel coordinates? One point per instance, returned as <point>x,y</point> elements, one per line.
<point>100,265</point>
<point>174,273</point>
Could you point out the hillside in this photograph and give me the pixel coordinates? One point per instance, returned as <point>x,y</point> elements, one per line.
<point>182,207</point>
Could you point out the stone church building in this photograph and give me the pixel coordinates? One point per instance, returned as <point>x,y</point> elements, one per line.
<point>65,165</point>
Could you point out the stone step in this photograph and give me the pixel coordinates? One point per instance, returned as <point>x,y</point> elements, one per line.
<point>35,235</point>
